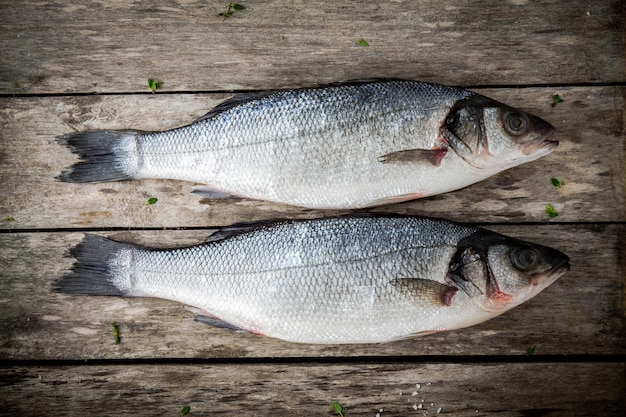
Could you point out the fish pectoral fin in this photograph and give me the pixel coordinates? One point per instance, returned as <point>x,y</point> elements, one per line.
<point>415,156</point>
<point>204,317</point>
<point>425,289</point>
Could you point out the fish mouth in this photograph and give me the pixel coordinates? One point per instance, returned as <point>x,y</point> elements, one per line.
<point>560,266</point>
<point>541,145</point>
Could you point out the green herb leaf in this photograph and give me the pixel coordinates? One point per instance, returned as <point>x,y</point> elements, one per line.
<point>185,410</point>
<point>551,211</point>
<point>338,409</point>
<point>8,219</point>
<point>530,350</point>
<point>16,84</point>
<point>116,333</point>
<point>362,42</point>
<point>152,200</point>
<point>556,99</point>
<point>154,84</point>
<point>556,182</point>
<point>230,9</point>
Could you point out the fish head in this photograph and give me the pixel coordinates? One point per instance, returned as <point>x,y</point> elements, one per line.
<point>491,136</point>
<point>499,273</point>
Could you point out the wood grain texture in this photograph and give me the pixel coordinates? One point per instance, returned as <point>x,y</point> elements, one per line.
<point>590,160</point>
<point>503,390</point>
<point>115,46</point>
<point>55,54</point>
<point>584,308</point>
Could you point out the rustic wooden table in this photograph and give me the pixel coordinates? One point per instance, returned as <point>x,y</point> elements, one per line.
<point>76,65</point>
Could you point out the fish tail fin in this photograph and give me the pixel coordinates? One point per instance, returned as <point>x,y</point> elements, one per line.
<point>105,155</point>
<point>101,268</point>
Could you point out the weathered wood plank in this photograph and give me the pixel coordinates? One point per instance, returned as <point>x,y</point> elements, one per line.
<point>582,313</point>
<point>90,46</point>
<point>590,160</point>
<point>503,390</point>
<point>114,46</point>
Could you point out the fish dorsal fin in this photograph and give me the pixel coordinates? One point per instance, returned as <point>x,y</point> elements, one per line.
<point>412,156</point>
<point>238,229</point>
<point>230,231</point>
<point>421,289</point>
<point>236,100</point>
<point>361,81</point>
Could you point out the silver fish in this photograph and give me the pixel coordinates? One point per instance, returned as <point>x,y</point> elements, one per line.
<point>334,280</point>
<point>339,146</point>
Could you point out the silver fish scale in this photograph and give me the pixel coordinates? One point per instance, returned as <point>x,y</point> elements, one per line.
<point>308,145</point>
<point>306,280</point>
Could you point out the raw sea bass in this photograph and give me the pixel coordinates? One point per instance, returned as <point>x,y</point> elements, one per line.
<point>334,280</point>
<point>340,146</point>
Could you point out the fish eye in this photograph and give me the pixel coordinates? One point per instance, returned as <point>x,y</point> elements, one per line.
<point>524,258</point>
<point>516,123</point>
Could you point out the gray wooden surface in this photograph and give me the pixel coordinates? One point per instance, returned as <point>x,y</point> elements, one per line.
<point>77,65</point>
<point>113,46</point>
<point>413,389</point>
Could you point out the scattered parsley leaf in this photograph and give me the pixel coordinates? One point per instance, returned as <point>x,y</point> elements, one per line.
<point>116,333</point>
<point>551,211</point>
<point>154,84</point>
<point>185,410</point>
<point>152,200</point>
<point>556,182</point>
<point>362,42</point>
<point>16,84</point>
<point>556,99</point>
<point>530,350</point>
<point>230,9</point>
<point>338,409</point>
<point>8,219</point>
